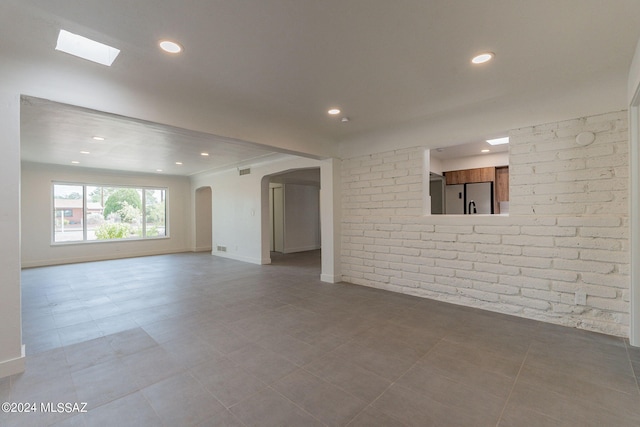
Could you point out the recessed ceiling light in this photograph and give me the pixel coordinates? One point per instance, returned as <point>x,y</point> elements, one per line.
<point>170,46</point>
<point>158,170</point>
<point>178,163</point>
<point>85,152</point>
<point>75,162</point>
<point>344,119</point>
<point>483,57</point>
<point>85,48</point>
<point>98,138</point>
<point>498,141</point>
<point>486,150</point>
<point>334,111</point>
<point>204,154</point>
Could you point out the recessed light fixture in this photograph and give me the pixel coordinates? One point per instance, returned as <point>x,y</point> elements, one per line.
<point>498,141</point>
<point>204,154</point>
<point>85,48</point>
<point>99,138</point>
<point>85,152</point>
<point>170,46</point>
<point>334,111</point>
<point>486,150</point>
<point>75,162</point>
<point>158,170</point>
<point>179,163</point>
<point>344,119</point>
<point>483,57</point>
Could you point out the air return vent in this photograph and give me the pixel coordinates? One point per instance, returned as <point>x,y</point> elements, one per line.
<point>222,249</point>
<point>245,171</point>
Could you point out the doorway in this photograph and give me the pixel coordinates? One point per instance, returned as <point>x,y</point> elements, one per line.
<point>293,215</point>
<point>204,220</point>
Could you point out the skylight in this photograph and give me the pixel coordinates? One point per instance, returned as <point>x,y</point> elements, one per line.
<point>498,141</point>
<point>85,48</point>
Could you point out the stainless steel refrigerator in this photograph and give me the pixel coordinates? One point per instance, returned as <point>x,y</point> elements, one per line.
<point>476,198</point>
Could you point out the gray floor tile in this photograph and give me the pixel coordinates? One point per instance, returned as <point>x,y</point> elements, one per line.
<point>414,409</point>
<point>229,383</point>
<point>80,332</point>
<point>130,341</point>
<point>515,416</point>
<point>89,353</point>
<point>579,387</point>
<point>181,401</point>
<point>217,332</point>
<point>132,410</point>
<point>221,419</point>
<point>382,364</point>
<point>350,377</point>
<point>570,409</point>
<point>71,317</point>
<point>114,324</point>
<point>265,364</point>
<point>371,417</point>
<point>102,383</point>
<point>270,409</point>
<point>472,401</point>
<point>151,365</point>
<point>331,405</point>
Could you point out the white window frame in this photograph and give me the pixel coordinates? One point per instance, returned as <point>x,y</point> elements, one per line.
<point>84,240</point>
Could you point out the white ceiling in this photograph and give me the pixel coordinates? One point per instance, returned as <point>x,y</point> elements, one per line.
<point>277,66</point>
<point>60,134</point>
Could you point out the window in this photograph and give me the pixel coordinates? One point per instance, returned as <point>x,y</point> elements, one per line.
<point>102,213</point>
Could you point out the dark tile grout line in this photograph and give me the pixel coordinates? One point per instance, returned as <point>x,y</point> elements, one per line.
<point>392,383</point>
<point>513,386</point>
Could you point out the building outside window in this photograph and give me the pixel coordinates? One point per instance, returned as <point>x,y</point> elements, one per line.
<point>104,213</point>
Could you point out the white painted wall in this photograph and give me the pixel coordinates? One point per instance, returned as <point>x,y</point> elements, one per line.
<point>567,232</point>
<point>301,218</point>
<point>203,206</point>
<point>473,162</point>
<point>11,351</point>
<point>37,249</point>
<point>241,220</point>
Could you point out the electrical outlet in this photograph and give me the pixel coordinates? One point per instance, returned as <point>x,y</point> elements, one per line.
<point>581,297</point>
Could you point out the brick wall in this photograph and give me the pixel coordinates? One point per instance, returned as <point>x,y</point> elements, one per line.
<point>567,232</point>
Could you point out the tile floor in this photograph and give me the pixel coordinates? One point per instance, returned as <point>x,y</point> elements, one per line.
<point>195,340</point>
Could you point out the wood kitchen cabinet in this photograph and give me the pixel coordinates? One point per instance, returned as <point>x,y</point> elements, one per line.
<point>502,184</point>
<point>469,176</point>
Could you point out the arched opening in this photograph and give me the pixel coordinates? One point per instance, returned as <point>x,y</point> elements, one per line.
<point>204,219</point>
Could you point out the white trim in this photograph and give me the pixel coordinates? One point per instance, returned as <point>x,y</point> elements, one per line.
<point>302,249</point>
<point>105,257</point>
<point>328,278</point>
<point>13,366</point>
<point>242,258</point>
<point>634,220</point>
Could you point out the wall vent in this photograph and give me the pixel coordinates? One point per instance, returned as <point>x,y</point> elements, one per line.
<point>222,249</point>
<point>245,171</point>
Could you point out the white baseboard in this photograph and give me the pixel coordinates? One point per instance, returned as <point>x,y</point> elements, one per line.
<point>13,366</point>
<point>301,249</point>
<point>102,257</point>
<point>329,278</point>
<point>237,257</point>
